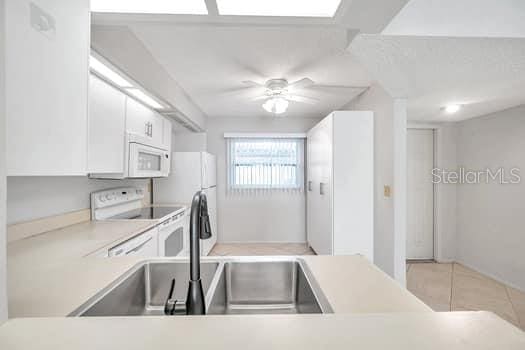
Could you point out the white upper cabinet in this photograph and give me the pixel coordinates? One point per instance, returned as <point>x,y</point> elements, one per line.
<point>112,115</point>
<point>47,50</point>
<point>107,126</point>
<point>142,121</point>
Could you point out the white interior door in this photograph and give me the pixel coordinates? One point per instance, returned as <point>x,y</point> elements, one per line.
<point>420,230</point>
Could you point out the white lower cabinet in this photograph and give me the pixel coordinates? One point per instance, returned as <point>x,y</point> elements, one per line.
<point>340,184</point>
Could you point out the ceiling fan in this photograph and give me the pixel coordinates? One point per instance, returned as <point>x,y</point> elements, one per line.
<point>279,93</point>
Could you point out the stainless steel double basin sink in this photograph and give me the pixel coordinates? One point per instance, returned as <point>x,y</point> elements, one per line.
<point>231,286</point>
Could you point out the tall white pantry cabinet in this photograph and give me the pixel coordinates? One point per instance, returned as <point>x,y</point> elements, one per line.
<point>340,184</point>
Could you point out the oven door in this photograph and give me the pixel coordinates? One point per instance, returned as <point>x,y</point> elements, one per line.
<point>146,161</point>
<point>171,237</point>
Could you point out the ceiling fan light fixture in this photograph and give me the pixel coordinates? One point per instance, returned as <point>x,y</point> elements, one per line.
<point>276,105</point>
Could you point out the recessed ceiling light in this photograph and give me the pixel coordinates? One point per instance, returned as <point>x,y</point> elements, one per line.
<point>104,71</point>
<point>187,7</point>
<point>141,96</point>
<point>451,109</point>
<point>297,8</point>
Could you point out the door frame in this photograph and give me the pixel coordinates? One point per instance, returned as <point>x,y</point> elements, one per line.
<point>434,189</point>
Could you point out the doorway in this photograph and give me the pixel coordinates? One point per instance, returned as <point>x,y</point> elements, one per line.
<point>420,197</point>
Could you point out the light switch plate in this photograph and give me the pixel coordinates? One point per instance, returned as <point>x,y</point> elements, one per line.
<point>42,22</point>
<point>387,191</point>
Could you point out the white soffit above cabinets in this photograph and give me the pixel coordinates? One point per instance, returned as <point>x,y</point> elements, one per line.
<point>460,18</point>
<point>187,7</point>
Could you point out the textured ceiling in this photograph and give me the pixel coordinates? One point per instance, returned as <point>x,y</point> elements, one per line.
<point>483,74</point>
<point>211,61</point>
<point>460,18</point>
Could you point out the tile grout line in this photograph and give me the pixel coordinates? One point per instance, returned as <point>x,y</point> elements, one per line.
<point>451,285</point>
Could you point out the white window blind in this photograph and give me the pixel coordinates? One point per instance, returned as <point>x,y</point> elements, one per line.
<point>265,164</point>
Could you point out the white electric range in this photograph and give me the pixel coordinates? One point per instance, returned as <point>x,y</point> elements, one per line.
<point>169,238</point>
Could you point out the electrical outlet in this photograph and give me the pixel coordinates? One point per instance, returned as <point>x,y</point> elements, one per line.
<point>387,191</point>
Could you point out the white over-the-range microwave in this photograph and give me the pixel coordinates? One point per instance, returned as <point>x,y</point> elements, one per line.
<point>141,160</point>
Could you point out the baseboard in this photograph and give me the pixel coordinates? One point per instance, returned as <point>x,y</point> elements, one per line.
<point>488,274</point>
<point>31,228</point>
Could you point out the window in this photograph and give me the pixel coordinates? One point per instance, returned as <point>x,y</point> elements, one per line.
<point>265,164</point>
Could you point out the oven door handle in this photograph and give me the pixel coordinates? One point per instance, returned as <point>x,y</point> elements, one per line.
<point>137,248</point>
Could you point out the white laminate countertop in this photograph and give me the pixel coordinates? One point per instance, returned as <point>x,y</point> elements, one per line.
<point>64,285</point>
<point>393,331</point>
<point>50,276</point>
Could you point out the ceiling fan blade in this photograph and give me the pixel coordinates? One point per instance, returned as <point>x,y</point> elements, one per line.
<point>259,98</point>
<point>301,84</point>
<point>302,99</point>
<point>335,87</point>
<point>252,83</point>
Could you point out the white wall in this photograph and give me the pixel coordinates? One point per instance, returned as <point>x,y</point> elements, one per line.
<point>490,227</point>
<point>30,198</point>
<point>277,217</point>
<point>187,141</point>
<point>3,262</point>
<point>390,169</point>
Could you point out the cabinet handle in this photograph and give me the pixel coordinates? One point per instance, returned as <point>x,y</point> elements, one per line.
<point>309,186</point>
<point>149,129</point>
<point>321,188</point>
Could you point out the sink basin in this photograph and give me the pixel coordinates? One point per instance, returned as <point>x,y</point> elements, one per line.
<point>267,287</point>
<point>143,290</point>
<point>231,286</point>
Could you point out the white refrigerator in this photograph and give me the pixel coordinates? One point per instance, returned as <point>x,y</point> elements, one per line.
<point>191,172</point>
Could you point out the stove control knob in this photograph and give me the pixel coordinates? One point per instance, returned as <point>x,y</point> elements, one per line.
<point>102,198</point>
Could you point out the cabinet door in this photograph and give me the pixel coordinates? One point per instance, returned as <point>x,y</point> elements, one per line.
<point>324,162</point>
<point>144,122</point>
<point>47,87</point>
<point>107,122</point>
<point>319,189</point>
<point>313,198</point>
<point>310,195</point>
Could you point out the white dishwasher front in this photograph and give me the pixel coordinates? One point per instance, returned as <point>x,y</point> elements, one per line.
<point>143,245</point>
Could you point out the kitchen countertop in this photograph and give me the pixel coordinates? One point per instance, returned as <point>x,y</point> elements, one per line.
<point>394,331</point>
<point>359,288</point>
<point>49,276</point>
<point>77,240</point>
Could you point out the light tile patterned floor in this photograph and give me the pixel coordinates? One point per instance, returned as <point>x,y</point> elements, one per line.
<point>253,249</point>
<point>454,287</point>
